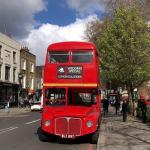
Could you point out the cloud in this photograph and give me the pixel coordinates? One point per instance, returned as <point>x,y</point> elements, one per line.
<point>39,39</point>
<point>17,19</point>
<point>17,16</point>
<point>87,7</point>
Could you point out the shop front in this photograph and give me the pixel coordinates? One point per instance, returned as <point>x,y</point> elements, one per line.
<point>9,93</point>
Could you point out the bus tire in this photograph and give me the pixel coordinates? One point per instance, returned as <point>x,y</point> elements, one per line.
<point>42,136</point>
<point>94,137</point>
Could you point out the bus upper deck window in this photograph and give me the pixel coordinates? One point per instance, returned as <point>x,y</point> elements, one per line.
<point>58,57</point>
<point>82,56</point>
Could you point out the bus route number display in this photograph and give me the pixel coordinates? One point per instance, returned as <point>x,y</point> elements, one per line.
<point>69,72</point>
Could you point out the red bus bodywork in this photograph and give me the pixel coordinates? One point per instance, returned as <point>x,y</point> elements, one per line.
<point>74,76</point>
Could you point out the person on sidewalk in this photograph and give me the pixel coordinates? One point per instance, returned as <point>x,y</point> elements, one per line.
<point>105,106</point>
<point>26,102</point>
<point>120,110</point>
<point>117,105</point>
<point>21,102</point>
<point>125,110</point>
<point>8,102</point>
<point>143,108</point>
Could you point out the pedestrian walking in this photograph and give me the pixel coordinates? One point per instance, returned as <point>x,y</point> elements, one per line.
<point>117,106</point>
<point>26,102</point>
<point>143,108</point>
<point>125,110</point>
<point>21,102</point>
<point>105,106</point>
<point>8,102</point>
<point>120,110</point>
<point>30,101</point>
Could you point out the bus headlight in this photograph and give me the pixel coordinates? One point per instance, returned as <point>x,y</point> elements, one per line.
<point>47,123</point>
<point>89,124</point>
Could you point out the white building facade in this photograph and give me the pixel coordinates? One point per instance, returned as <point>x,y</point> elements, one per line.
<point>9,69</point>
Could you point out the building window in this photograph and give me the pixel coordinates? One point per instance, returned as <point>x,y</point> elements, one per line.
<point>23,64</point>
<point>7,54</point>
<point>0,50</point>
<point>14,74</point>
<point>14,57</point>
<point>7,73</point>
<point>0,71</point>
<point>39,83</point>
<point>32,83</point>
<point>31,67</point>
<point>24,81</point>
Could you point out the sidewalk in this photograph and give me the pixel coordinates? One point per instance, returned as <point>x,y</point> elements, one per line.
<point>118,135</point>
<point>13,111</point>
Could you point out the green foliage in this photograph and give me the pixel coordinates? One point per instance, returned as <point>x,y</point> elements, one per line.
<point>124,45</point>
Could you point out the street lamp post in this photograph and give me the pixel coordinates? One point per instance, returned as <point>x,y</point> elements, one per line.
<point>20,77</point>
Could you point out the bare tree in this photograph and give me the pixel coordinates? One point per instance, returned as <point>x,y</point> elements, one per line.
<point>93,28</point>
<point>142,5</point>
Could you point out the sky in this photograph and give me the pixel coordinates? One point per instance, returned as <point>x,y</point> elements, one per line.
<point>38,23</point>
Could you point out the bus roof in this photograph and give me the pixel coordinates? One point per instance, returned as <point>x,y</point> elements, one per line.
<point>71,45</point>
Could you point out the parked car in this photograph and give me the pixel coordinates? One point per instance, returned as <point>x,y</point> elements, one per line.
<point>36,106</point>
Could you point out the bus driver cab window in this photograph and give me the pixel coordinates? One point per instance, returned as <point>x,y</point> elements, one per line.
<point>55,96</point>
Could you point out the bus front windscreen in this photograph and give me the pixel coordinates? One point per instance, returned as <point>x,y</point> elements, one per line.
<point>55,96</point>
<point>82,97</point>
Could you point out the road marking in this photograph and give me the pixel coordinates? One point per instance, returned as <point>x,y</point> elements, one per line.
<point>33,121</point>
<point>7,129</point>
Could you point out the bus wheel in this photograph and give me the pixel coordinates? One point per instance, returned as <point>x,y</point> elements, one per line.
<point>42,136</point>
<point>94,137</point>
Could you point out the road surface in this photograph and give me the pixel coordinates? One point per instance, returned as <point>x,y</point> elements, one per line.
<point>19,132</point>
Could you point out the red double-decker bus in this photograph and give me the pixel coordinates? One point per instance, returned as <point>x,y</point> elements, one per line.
<point>71,98</point>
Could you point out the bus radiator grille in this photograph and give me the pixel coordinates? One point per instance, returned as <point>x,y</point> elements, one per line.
<point>68,126</point>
